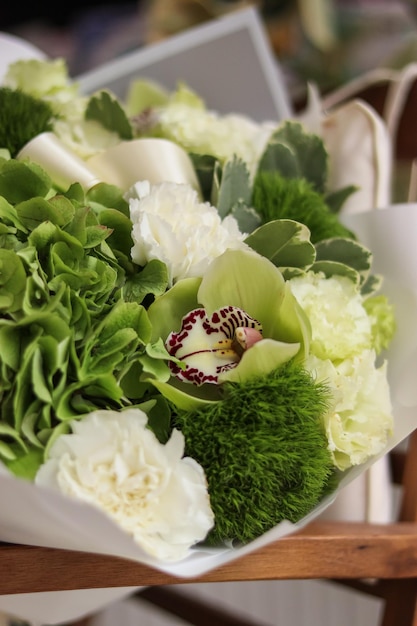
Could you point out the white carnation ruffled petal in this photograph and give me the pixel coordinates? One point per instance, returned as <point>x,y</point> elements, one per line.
<point>113,461</point>
<point>171,224</point>
<point>360,420</point>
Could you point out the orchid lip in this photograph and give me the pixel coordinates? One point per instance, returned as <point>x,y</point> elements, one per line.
<point>211,345</point>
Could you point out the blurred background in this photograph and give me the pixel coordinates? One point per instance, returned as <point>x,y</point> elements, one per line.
<point>325,41</point>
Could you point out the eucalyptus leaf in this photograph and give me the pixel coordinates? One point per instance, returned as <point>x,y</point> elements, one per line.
<point>247,218</point>
<point>235,188</point>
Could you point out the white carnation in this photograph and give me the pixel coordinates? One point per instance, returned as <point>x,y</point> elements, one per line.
<point>113,461</point>
<point>360,418</point>
<point>171,224</point>
<point>207,132</point>
<point>340,324</point>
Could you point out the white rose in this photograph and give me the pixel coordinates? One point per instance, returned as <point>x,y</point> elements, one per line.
<point>171,224</point>
<point>113,461</point>
<point>359,420</point>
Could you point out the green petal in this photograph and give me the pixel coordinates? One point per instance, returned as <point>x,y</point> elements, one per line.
<point>247,280</point>
<point>261,359</point>
<point>184,396</point>
<point>167,311</point>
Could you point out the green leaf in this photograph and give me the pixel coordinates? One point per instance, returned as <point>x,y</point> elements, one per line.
<point>37,210</point>
<point>205,166</point>
<point>121,230</point>
<point>295,153</point>
<point>247,218</point>
<point>372,284</point>
<point>336,199</point>
<point>183,396</point>
<point>152,280</point>
<point>286,243</point>
<point>64,207</point>
<point>108,196</point>
<point>235,188</point>
<point>155,368</point>
<point>27,465</point>
<point>12,282</point>
<point>8,215</point>
<point>106,109</point>
<point>159,419</point>
<point>346,251</point>
<point>332,268</point>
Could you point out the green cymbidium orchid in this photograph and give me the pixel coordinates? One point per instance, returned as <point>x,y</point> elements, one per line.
<point>246,291</point>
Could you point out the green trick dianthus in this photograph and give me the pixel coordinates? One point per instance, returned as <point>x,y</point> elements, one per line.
<point>264,451</point>
<point>276,197</point>
<point>22,117</point>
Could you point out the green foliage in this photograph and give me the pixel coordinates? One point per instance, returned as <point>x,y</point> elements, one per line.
<point>106,109</point>
<point>294,153</point>
<point>285,243</point>
<point>22,117</point>
<point>21,181</point>
<point>336,199</point>
<point>276,197</point>
<point>264,451</point>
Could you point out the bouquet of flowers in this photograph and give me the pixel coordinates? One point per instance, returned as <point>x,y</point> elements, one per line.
<point>192,341</point>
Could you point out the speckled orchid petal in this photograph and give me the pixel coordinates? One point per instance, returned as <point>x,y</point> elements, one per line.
<point>208,344</point>
<point>248,281</point>
<point>252,283</point>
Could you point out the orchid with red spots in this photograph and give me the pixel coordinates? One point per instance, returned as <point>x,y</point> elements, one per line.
<point>239,321</point>
<point>211,345</point>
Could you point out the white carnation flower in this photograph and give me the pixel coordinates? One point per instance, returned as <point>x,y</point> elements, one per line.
<point>113,461</point>
<point>171,224</point>
<point>340,324</point>
<point>360,418</point>
<point>207,132</point>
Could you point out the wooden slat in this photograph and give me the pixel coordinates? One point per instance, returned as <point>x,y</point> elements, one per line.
<point>322,550</point>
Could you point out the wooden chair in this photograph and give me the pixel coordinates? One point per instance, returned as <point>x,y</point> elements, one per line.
<point>380,560</point>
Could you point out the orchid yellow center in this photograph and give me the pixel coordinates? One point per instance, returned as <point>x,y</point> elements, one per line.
<point>209,346</point>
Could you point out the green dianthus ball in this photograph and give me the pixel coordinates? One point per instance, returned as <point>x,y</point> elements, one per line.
<point>264,451</point>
